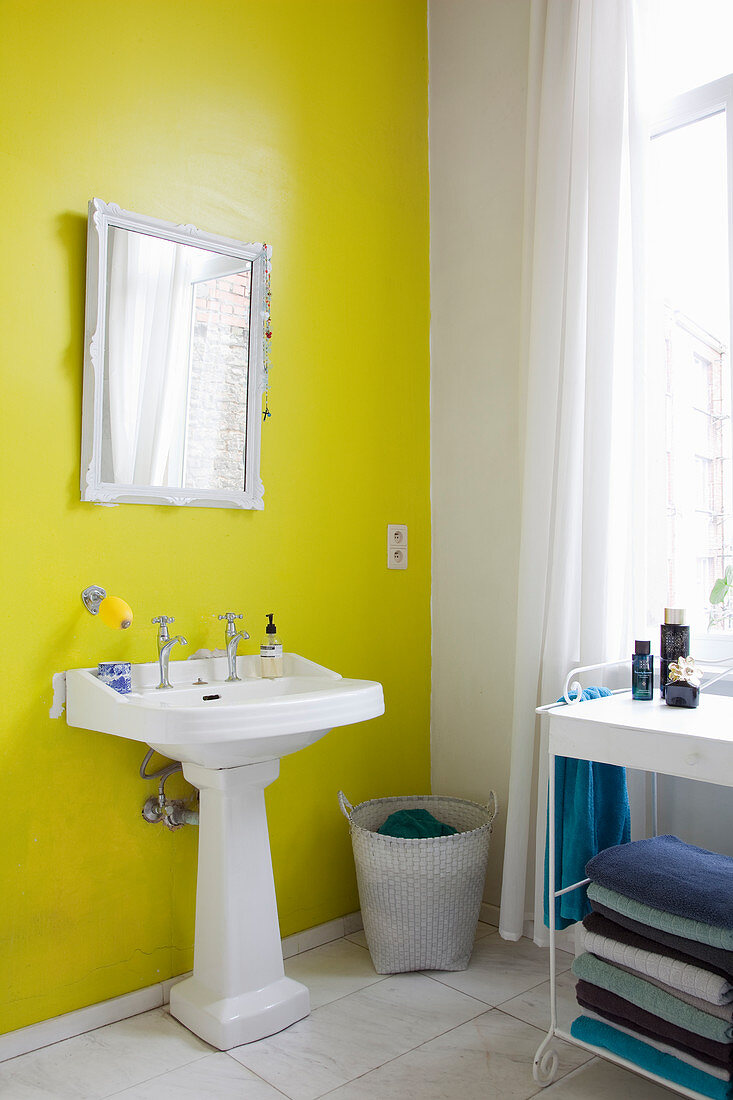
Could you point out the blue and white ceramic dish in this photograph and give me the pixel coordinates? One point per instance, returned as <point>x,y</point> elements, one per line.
<point>116,674</point>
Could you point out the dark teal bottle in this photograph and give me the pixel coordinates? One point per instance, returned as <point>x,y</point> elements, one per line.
<point>642,672</point>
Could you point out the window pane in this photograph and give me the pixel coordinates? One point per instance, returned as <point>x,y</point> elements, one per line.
<point>687,43</point>
<point>689,253</point>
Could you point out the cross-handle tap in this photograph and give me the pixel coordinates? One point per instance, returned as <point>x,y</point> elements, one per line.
<point>232,641</point>
<point>165,645</point>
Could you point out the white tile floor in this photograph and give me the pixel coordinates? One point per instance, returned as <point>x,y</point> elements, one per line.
<point>434,1036</point>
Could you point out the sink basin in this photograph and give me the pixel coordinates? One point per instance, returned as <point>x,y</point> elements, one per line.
<point>218,724</point>
<point>229,738</point>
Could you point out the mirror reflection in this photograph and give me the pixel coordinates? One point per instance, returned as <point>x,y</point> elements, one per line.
<point>176,364</point>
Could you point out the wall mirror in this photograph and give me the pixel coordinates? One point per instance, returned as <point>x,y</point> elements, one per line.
<point>175,363</point>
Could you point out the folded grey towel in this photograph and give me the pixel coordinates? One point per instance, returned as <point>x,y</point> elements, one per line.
<point>723,1012</point>
<point>665,873</point>
<point>682,977</point>
<point>712,934</point>
<point>718,960</point>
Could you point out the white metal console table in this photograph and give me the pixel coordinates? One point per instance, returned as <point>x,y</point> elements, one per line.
<point>648,736</point>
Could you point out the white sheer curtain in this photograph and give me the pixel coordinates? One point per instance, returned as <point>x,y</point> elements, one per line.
<point>148,341</point>
<point>583,488</point>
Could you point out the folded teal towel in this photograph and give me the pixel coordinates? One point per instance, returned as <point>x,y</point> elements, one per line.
<point>591,813</point>
<point>651,998</point>
<point>414,824</point>
<point>658,918</point>
<point>668,874</point>
<point>646,1057</point>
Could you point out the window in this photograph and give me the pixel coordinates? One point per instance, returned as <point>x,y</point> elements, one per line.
<point>691,214</point>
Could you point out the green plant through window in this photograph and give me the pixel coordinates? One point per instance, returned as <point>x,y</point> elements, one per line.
<point>720,598</point>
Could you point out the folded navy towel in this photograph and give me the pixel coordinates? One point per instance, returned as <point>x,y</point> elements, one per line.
<point>668,874</point>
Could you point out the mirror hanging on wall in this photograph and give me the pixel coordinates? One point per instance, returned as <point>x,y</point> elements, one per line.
<point>175,365</point>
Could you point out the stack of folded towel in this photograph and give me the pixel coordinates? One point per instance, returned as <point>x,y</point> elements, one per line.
<point>656,979</point>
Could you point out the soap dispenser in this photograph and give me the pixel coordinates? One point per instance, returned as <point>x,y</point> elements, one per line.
<point>271,652</point>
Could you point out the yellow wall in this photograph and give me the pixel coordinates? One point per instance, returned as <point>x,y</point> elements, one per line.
<point>303,123</point>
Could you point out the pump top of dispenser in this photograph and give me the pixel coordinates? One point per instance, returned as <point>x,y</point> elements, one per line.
<point>642,648</point>
<point>270,628</point>
<point>674,616</point>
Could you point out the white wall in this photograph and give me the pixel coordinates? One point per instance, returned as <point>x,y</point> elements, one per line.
<point>478,79</point>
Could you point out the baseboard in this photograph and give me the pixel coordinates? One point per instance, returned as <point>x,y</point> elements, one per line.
<point>489,913</point>
<point>58,1028</point>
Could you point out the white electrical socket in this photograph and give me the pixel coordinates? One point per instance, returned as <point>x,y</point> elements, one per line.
<point>396,534</point>
<point>397,557</point>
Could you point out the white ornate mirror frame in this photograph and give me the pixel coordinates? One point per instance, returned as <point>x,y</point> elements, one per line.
<point>103,217</point>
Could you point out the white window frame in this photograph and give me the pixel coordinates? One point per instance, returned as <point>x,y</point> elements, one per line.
<point>690,107</point>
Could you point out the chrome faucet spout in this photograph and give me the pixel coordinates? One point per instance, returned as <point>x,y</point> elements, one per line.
<point>232,641</point>
<point>232,644</point>
<point>165,645</point>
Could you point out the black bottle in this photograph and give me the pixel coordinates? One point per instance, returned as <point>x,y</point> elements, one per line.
<point>675,642</point>
<point>642,671</point>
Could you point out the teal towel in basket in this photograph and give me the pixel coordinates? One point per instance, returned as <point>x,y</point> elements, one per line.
<point>414,824</point>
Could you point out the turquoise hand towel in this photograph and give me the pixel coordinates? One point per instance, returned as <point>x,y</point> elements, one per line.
<point>646,1057</point>
<point>591,813</point>
<point>651,998</point>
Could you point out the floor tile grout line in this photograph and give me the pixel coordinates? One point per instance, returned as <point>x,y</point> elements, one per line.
<point>475,997</point>
<point>255,1073</point>
<point>361,989</point>
<point>155,1076</point>
<point>524,992</point>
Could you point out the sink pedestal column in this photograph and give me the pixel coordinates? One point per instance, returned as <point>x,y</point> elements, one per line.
<point>238,992</point>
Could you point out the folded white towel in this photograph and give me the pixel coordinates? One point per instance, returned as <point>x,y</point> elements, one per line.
<point>684,976</point>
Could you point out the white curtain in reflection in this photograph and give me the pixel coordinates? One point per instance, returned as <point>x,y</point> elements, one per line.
<point>148,344</point>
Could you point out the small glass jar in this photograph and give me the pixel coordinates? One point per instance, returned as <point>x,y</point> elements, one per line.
<point>678,693</point>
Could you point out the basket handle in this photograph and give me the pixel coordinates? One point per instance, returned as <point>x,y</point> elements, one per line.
<point>492,806</point>
<point>345,805</point>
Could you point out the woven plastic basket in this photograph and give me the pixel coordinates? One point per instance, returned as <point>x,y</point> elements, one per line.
<point>420,899</point>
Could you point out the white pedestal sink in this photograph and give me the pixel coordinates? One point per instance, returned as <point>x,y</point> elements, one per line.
<point>229,737</point>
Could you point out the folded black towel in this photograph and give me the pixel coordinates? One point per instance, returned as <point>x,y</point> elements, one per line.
<point>722,960</point>
<point>668,874</point>
<point>619,1010</point>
